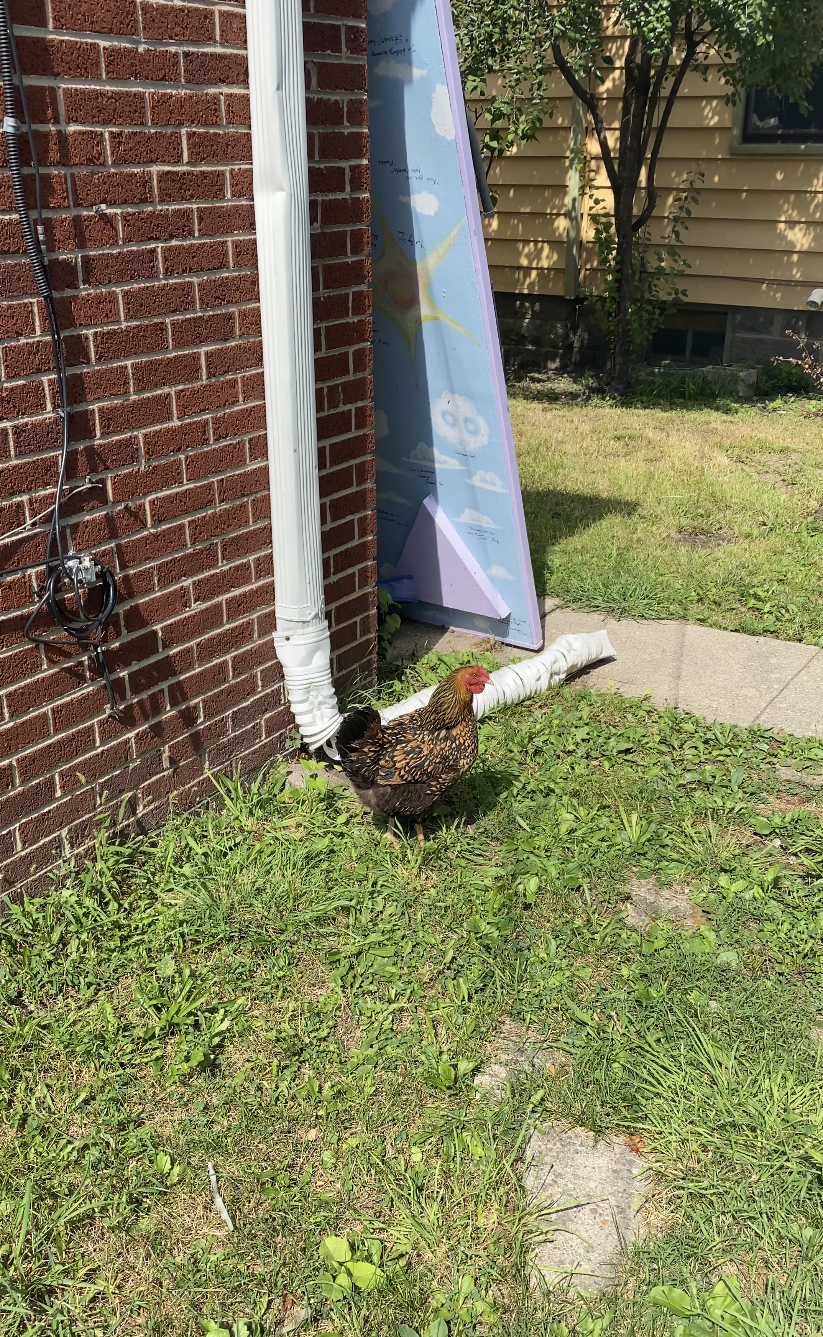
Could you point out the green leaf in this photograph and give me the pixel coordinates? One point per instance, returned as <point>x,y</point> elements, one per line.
<point>364,1275</point>
<point>676,1301</point>
<point>334,1249</point>
<point>438,1328</point>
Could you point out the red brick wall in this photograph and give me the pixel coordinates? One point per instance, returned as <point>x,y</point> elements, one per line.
<point>143,128</point>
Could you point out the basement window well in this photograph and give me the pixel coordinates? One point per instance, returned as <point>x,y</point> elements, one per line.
<point>693,338</point>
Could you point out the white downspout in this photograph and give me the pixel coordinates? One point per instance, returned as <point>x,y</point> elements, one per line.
<point>281,206</point>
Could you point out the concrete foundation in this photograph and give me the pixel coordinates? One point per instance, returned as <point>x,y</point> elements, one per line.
<point>540,333</point>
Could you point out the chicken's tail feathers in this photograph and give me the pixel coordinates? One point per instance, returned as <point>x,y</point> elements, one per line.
<point>358,726</point>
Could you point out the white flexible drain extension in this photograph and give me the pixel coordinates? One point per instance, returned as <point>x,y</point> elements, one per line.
<point>515,682</point>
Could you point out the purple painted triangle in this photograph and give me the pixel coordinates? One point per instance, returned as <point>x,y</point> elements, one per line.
<point>444,570</point>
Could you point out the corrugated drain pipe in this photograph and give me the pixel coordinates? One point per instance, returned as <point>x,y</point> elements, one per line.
<point>281,205</point>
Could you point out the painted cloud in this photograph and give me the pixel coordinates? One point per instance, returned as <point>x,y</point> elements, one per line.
<point>470,517</point>
<point>441,111</point>
<point>381,424</point>
<point>457,419</point>
<point>385,466</point>
<point>398,69</point>
<point>489,481</point>
<point>393,498</point>
<point>423,202</point>
<point>423,454</point>
<point>500,573</point>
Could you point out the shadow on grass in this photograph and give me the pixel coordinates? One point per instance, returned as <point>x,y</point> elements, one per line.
<point>552,515</point>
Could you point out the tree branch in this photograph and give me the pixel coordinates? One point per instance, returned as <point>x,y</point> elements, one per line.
<point>692,44</point>
<point>590,101</point>
<point>654,98</point>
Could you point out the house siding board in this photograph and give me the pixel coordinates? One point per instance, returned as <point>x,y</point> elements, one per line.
<point>754,239</point>
<point>154,265</point>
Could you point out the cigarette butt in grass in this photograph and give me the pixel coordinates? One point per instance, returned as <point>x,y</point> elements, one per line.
<point>218,1201</point>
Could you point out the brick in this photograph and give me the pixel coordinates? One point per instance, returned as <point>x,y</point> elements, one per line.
<point>56,817</point>
<point>120,266</point>
<point>152,373</point>
<point>343,212</point>
<point>78,232</point>
<point>141,64</point>
<point>240,183</point>
<point>184,109</point>
<point>29,12</point>
<point>89,16</point>
<point>23,399</point>
<point>195,257</point>
<point>192,331</point>
<point>22,358</point>
<point>38,762</point>
<point>228,290</point>
<point>172,439</point>
<point>98,383</point>
<point>145,146</point>
<point>201,398</point>
<point>16,320</point>
<point>157,224</point>
<point>237,108</point>
<point>190,184</point>
<point>355,40</point>
<point>232,28</point>
<point>325,37</point>
<point>252,387</point>
<point>206,463</point>
<point>158,299</point>
<point>341,78</point>
<point>324,111</point>
<point>238,422</point>
<point>185,501</point>
<point>22,734</point>
<point>211,69</point>
<point>104,106</point>
<point>228,146</point>
<point>248,321</point>
<point>52,56</point>
<point>146,411</point>
<point>177,22</point>
<point>220,219</point>
<point>130,340</point>
<point>341,9</point>
<point>334,145</point>
<point>244,253</point>
<point>155,610</point>
<point>327,179</point>
<point>357,114</point>
<point>111,188</point>
<point>234,357</point>
<point>102,762</point>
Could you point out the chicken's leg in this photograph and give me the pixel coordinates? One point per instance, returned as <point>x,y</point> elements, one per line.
<point>390,832</point>
<point>421,835</point>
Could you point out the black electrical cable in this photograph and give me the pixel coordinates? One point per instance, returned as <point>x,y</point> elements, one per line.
<point>66,574</point>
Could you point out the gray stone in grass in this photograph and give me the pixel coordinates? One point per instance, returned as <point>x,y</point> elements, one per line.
<point>590,1195</point>
<point>648,902</point>
<point>816,1035</point>
<point>298,775</point>
<point>799,777</point>
<point>515,1053</point>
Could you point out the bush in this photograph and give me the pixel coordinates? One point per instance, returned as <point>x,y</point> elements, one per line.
<point>783,376</point>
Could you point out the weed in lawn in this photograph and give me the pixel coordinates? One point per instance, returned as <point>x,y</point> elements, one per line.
<point>692,514</point>
<point>270,988</point>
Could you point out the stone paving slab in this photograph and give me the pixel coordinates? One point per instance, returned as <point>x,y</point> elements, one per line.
<point>722,675</point>
<point>589,1194</point>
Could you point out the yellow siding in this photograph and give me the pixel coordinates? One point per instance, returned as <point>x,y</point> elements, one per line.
<point>755,237</point>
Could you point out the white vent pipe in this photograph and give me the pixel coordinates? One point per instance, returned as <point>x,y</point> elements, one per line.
<point>281,206</point>
<point>515,682</point>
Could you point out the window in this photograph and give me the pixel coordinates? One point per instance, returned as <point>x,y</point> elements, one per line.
<point>769,118</point>
<point>695,338</point>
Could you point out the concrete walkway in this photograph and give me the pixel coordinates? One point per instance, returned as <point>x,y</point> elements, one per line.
<point>721,675</point>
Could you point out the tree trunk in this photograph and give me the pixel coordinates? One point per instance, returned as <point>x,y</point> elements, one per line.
<point>622,360</point>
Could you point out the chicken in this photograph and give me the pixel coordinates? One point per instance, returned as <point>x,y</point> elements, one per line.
<point>402,768</point>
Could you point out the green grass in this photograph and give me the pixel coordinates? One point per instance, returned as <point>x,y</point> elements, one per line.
<point>271,987</point>
<point>703,514</point>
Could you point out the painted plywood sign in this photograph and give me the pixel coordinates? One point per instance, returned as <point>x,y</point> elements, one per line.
<point>449,510</point>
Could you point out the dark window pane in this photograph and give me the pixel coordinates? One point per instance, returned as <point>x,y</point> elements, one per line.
<point>772,119</point>
<point>670,342</point>
<point>706,344</point>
